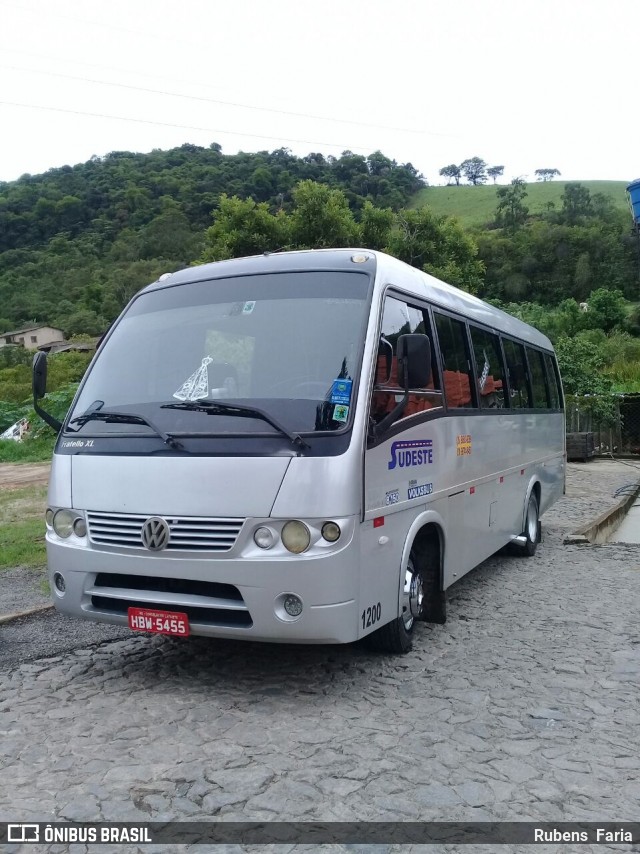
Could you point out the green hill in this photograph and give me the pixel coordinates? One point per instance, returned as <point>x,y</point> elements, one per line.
<point>477,205</point>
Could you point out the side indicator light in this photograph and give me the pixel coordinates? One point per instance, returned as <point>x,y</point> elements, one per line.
<point>378,522</point>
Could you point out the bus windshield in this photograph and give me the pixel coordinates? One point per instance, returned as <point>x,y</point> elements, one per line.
<point>288,344</point>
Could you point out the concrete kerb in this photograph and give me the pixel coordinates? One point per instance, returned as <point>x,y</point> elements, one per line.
<point>29,612</point>
<point>601,528</point>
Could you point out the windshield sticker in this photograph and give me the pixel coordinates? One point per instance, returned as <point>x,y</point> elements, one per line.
<point>197,386</point>
<point>392,497</point>
<point>341,392</point>
<point>463,445</point>
<point>419,490</point>
<point>407,454</point>
<point>248,307</point>
<point>340,413</point>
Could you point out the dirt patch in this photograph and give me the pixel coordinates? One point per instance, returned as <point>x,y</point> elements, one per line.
<point>15,475</point>
<point>16,505</point>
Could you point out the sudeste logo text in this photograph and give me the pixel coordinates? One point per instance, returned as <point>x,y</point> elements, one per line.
<point>418,452</point>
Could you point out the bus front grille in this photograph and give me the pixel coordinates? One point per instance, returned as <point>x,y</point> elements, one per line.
<point>186,533</point>
<point>204,602</point>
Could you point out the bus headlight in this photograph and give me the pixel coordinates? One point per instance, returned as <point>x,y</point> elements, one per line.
<point>63,523</point>
<point>296,537</point>
<point>79,527</point>
<point>66,522</point>
<point>331,532</point>
<point>48,517</point>
<point>264,538</point>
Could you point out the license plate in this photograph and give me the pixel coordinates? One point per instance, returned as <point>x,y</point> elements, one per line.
<point>158,622</point>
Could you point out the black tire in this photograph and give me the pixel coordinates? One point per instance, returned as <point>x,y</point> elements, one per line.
<point>392,638</point>
<point>531,527</point>
<point>397,636</point>
<point>423,599</point>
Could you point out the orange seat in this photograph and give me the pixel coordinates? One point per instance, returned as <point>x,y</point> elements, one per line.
<point>384,401</point>
<point>457,389</point>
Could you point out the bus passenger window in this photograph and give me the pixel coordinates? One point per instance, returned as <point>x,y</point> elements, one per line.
<point>452,338</point>
<point>489,369</point>
<point>552,381</point>
<point>538,385</point>
<point>400,319</point>
<point>517,373</point>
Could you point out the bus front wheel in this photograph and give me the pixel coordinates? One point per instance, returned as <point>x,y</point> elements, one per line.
<point>397,636</point>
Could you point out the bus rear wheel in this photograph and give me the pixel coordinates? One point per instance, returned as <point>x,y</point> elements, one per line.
<point>531,527</point>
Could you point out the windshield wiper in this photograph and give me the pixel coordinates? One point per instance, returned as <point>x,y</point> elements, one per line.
<point>218,408</point>
<point>111,417</point>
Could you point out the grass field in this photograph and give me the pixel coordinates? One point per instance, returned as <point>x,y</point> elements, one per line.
<point>477,205</point>
<point>22,527</point>
<point>29,451</point>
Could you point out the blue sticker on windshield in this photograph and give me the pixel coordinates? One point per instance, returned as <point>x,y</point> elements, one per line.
<point>341,392</point>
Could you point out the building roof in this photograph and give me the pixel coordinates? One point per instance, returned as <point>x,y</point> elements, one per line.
<point>29,329</point>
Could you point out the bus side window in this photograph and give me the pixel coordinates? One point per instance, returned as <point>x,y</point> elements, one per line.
<point>400,319</point>
<point>489,368</point>
<point>452,338</point>
<point>517,374</point>
<point>538,384</point>
<point>552,382</point>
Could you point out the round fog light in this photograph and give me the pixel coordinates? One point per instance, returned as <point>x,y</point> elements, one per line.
<point>331,532</point>
<point>59,582</point>
<point>263,538</point>
<point>293,605</point>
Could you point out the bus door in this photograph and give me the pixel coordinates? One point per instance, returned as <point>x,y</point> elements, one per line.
<point>401,466</point>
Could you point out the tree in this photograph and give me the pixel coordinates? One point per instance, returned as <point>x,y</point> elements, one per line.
<point>511,213</point>
<point>547,174</point>
<point>606,309</point>
<point>437,245</point>
<point>84,322</point>
<point>376,225</point>
<point>576,203</point>
<point>321,218</point>
<point>495,172</point>
<point>452,171</point>
<point>581,361</point>
<point>243,228</point>
<point>474,170</point>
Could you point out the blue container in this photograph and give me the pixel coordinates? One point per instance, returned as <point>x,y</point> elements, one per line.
<point>634,199</point>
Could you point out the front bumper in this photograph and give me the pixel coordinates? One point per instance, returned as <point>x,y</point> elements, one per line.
<point>224,597</point>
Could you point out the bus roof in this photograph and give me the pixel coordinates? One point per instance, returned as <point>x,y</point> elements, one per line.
<point>389,270</point>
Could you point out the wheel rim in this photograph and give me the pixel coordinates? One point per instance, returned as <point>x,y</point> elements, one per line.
<point>532,520</point>
<point>412,596</point>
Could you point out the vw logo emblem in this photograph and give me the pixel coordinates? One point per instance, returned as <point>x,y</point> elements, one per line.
<point>155,534</point>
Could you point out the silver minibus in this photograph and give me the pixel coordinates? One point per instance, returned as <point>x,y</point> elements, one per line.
<point>305,447</point>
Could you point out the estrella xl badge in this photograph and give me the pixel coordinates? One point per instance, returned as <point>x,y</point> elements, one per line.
<point>418,452</point>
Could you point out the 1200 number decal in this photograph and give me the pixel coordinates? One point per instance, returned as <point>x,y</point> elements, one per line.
<point>371,616</point>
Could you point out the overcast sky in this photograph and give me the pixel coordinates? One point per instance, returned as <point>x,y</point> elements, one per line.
<point>526,84</point>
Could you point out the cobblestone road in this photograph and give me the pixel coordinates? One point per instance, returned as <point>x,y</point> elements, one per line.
<point>523,706</point>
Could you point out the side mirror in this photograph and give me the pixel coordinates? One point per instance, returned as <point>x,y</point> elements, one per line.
<point>39,378</point>
<point>414,371</point>
<point>39,386</point>
<point>414,360</point>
